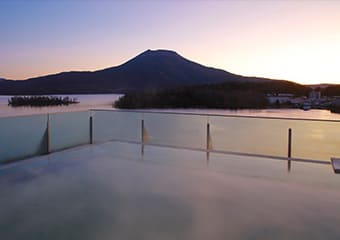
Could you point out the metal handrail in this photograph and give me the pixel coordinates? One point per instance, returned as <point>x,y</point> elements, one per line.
<point>212,115</point>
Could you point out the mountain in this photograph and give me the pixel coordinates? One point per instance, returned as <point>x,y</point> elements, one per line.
<point>151,70</point>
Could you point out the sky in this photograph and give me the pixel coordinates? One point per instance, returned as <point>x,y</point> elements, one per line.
<point>295,40</point>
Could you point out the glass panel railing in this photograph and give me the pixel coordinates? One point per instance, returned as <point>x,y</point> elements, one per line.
<point>69,129</point>
<point>315,139</point>
<point>177,130</point>
<point>311,139</point>
<point>261,136</point>
<point>29,136</point>
<point>116,125</point>
<point>250,135</point>
<point>22,137</point>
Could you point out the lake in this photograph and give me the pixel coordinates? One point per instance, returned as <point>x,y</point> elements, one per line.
<point>105,101</point>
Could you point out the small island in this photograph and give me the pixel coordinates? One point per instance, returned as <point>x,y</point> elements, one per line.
<point>40,101</point>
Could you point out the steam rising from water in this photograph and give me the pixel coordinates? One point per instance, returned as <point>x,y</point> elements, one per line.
<point>110,191</point>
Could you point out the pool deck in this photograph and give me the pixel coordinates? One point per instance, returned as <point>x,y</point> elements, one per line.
<point>113,191</point>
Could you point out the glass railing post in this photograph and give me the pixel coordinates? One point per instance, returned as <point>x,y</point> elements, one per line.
<point>289,148</point>
<point>289,143</point>
<point>208,136</point>
<point>48,134</point>
<point>142,136</point>
<point>142,131</point>
<point>208,141</point>
<point>91,129</point>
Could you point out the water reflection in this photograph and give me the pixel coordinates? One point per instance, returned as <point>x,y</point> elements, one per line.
<point>105,191</point>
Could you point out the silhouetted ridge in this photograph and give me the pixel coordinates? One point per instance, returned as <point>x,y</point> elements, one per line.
<point>151,70</point>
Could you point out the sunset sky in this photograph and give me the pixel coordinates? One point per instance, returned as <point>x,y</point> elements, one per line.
<point>293,40</point>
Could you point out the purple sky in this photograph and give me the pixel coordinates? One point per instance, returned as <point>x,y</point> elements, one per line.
<point>293,40</point>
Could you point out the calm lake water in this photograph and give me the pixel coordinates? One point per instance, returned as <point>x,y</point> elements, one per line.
<point>105,101</point>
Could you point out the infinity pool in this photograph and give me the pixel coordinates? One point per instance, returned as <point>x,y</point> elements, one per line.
<point>113,191</point>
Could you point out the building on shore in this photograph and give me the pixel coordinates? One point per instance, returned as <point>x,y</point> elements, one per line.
<point>314,100</point>
<point>280,98</point>
<point>315,95</point>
